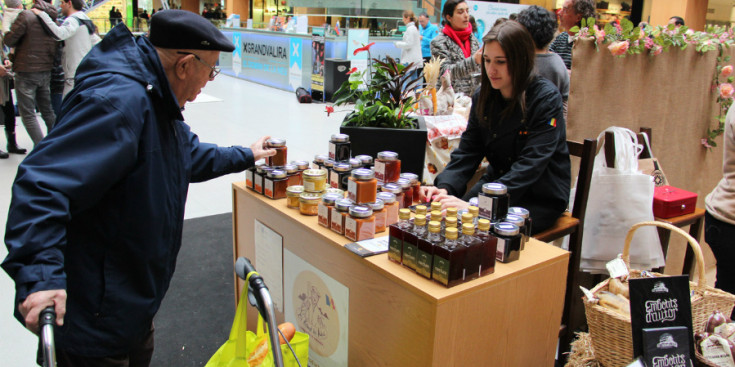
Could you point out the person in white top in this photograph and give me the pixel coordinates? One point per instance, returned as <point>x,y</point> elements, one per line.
<point>411,44</point>
<point>78,35</point>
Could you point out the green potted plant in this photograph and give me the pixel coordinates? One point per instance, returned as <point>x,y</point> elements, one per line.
<point>381,121</point>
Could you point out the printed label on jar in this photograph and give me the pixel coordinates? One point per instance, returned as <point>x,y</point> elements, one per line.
<point>351,229</point>
<point>441,270</point>
<point>380,171</point>
<point>324,215</point>
<point>258,183</point>
<point>380,221</point>
<point>337,222</point>
<point>309,186</point>
<point>268,188</point>
<point>500,254</point>
<point>352,190</point>
<point>423,263</point>
<point>332,150</point>
<point>395,245</point>
<point>485,203</point>
<point>249,179</point>
<point>334,179</point>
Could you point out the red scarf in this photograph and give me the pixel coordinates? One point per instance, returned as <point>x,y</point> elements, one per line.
<point>462,38</point>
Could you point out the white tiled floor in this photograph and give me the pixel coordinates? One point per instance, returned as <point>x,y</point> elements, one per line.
<point>230,112</point>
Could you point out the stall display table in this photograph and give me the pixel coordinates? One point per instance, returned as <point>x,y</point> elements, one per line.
<point>398,318</point>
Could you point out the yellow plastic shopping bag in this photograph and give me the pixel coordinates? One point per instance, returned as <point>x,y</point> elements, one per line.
<point>247,349</point>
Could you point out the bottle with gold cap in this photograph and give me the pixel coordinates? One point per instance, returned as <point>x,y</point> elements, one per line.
<point>475,211</point>
<point>467,218</point>
<point>411,241</point>
<point>436,216</point>
<point>425,253</point>
<point>489,247</point>
<point>395,236</point>
<point>450,222</point>
<point>435,205</point>
<point>420,210</point>
<point>473,259</point>
<point>448,264</point>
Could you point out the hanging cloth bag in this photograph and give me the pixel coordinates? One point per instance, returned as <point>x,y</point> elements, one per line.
<point>619,198</point>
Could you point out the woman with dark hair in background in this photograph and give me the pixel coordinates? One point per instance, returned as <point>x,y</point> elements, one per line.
<point>516,123</point>
<point>457,47</point>
<point>571,14</point>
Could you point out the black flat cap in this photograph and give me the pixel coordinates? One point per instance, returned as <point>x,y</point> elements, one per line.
<point>181,29</point>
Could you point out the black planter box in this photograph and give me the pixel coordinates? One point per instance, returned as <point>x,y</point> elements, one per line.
<point>410,144</point>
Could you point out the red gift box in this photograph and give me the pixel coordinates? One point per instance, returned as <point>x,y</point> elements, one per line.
<point>669,201</point>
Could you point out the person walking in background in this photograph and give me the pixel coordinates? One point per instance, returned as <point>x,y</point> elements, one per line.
<point>411,45</point>
<point>12,9</point>
<point>34,58</point>
<point>97,210</point>
<point>428,32</point>
<point>677,21</point>
<point>78,35</point>
<point>113,18</point>
<point>571,14</point>
<point>459,49</point>
<point>475,29</point>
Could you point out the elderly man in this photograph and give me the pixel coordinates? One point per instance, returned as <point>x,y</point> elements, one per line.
<point>97,208</point>
<point>572,14</point>
<point>78,35</point>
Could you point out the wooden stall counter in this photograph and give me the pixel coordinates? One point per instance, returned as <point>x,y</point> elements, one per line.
<point>398,318</point>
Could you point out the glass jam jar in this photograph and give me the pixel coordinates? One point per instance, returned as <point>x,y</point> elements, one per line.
<point>325,209</point>
<point>292,174</point>
<point>407,192</point>
<point>319,161</point>
<point>292,196</point>
<point>259,176</point>
<point>521,223</point>
<point>331,190</point>
<point>391,207</point>
<point>275,184</point>
<point>339,176</point>
<point>339,147</point>
<point>339,214</point>
<point>526,215</point>
<point>360,225</point>
<point>301,166</point>
<point>415,184</point>
<point>355,163</point>
<point>329,165</point>
<point>493,201</point>
<point>279,145</point>
<point>387,167</point>
<point>249,176</point>
<point>315,180</point>
<point>509,242</point>
<point>396,190</point>
<point>380,215</point>
<point>362,187</point>
<point>365,160</point>
<point>309,203</point>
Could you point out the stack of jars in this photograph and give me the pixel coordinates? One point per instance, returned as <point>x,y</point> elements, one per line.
<point>273,177</point>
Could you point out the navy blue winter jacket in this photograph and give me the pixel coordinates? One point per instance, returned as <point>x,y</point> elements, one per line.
<point>98,206</point>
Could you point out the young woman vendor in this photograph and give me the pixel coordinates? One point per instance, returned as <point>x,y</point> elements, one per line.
<point>516,123</point>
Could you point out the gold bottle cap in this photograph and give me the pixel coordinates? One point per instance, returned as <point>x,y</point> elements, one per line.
<point>419,220</point>
<point>483,224</point>
<point>450,233</point>
<point>451,212</point>
<point>404,214</point>
<point>435,226</point>
<point>420,209</point>
<point>475,211</point>
<point>436,215</point>
<point>468,218</point>
<point>468,228</point>
<point>451,222</point>
<point>435,205</point>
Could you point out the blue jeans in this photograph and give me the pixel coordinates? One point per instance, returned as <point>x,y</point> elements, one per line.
<point>32,89</point>
<point>719,236</point>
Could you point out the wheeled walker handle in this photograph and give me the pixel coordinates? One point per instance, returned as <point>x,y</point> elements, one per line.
<point>46,321</point>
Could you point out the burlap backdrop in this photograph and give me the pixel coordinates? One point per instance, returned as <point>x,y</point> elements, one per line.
<point>670,93</point>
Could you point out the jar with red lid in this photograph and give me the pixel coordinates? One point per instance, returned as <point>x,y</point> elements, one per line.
<point>280,158</point>
<point>407,192</point>
<point>387,167</point>
<point>415,184</point>
<point>362,187</point>
<point>360,224</point>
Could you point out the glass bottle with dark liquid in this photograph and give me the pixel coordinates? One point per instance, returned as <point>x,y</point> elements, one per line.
<point>425,254</point>
<point>448,265</point>
<point>411,241</point>
<point>489,246</point>
<point>473,259</point>
<point>395,239</point>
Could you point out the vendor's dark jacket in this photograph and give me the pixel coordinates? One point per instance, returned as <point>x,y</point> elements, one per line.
<point>98,206</point>
<point>34,47</point>
<point>529,155</point>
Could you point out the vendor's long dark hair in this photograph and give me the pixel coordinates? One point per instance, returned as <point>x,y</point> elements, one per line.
<point>519,50</point>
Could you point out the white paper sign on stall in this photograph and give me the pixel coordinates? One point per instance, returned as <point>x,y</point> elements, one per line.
<point>269,261</point>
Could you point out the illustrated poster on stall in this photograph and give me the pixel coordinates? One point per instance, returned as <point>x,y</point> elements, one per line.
<point>317,63</point>
<point>269,261</point>
<point>319,306</point>
<point>486,13</point>
<point>357,38</point>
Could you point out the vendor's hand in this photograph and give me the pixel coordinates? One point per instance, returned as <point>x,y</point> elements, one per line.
<point>477,56</point>
<point>426,193</point>
<point>36,11</point>
<point>259,150</point>
<point>35,303</point>
<point>3,71</point>
<point>449,201</point>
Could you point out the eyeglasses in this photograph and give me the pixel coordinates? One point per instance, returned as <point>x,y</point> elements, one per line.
<point>214,70</point>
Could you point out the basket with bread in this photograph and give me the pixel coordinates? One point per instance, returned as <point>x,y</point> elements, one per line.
<point>607,305</point>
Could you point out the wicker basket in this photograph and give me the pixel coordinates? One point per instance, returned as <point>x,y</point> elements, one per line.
<point>611,333</point>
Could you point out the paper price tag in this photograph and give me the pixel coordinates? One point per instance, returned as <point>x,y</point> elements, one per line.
<point>617,268</point>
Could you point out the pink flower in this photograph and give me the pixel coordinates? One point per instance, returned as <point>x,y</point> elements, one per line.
<point>618,28</point>
<point>726,71</point>
<point>706,143</point>
<point>329,110</point>
<point>618,48</point>
<point>649,43</point>
<point>657,50</point>
<point>599,34</point>
<point>726,90</point>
